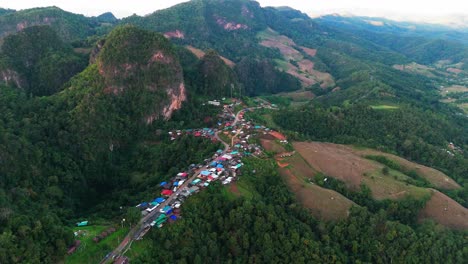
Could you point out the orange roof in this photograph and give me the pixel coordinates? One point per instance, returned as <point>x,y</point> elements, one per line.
<point>278,135</point>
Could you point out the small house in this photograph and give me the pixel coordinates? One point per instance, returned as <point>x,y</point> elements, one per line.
<point>167,192</point>
<point>121,260</point>
<point>159,200</point>
<point>204,174</point>
<point>83,223</point>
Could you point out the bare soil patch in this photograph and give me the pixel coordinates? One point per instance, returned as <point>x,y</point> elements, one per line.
<point>200,53</point>
<point>306,80</point>
<point>233,188</point>
<point>341,162</point>
<point>306,66</point>
<point>445,211</point>
<point>349,165</point>
<point>284,47</point>
<point>454,89</point>
<point>304,70</point>
<point>336,161</point>
<point>309,51</point>
<point>454,70</point>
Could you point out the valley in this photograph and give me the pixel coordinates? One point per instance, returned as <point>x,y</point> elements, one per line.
<point>222,131</point>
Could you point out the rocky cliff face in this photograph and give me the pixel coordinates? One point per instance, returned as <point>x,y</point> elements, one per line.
<point>10,77</point>
<point>141,63</point>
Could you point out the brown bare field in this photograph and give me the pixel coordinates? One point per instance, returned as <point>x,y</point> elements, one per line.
<point>454,70</point>
<point>233,188</point>
<point>306,66</point>
<point>284,47</point>
<point>299,167</point>
<point>200,53</point>
<point>454,89</point>
<point>416,68</point>
<point>305,72</point>
<point>197,52</point>
<point>308,51</point>
<point>336,161</point>
<point>323,77</point>
<point>343,163</point>
<point>349,165</point>
<point>271,145</point>
<point>306,80</point>
<point>437,178</point>
<point>445,211</point>
<point>322,203</point>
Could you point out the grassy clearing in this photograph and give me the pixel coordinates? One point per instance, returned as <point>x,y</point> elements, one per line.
<point>281,64</point>
<point>268,118</point>
<point>384,107</point>
<point>138,248</point>
<point>225,138</point>
<point>91,252</point>
<point>464,107</point>
<point>392,186</point>
<point>226,191</point>
<point>420,173</point>
<point>245,189</point>
<point>267,34</point>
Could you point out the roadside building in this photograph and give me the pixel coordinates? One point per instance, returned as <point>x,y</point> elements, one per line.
<point>121,260</point>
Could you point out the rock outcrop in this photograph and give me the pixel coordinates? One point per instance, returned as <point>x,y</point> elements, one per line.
<point>141,63</point>
<point>10,77</point>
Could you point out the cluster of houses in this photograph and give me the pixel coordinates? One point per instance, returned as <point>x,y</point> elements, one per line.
<point>104,234</point>
<point>168,189</point>
<point>224,166</point>
<point>204,132</point>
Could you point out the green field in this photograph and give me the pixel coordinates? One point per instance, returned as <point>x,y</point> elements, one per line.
<point>138,248</point>
<point>281,64</point>
<point>384,107</point>
<point>91,252</point>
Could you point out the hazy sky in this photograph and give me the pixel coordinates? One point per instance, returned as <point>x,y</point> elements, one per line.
<point>397,9</point>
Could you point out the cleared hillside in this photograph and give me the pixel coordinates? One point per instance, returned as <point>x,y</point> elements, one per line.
<point>349,165</point>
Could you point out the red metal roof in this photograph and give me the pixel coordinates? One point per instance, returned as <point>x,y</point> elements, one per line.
<point>166,192</point>
<point>278,135</point>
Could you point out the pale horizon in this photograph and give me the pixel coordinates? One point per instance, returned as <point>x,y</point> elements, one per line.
<point>437,12</point>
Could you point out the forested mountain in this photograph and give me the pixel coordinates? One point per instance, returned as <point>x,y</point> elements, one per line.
<point>68,26</point>
<point>38,61</point>
<point>401,28</point>
<point>74,146</point>
<point>321,55</point>
<point>86,104</point>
